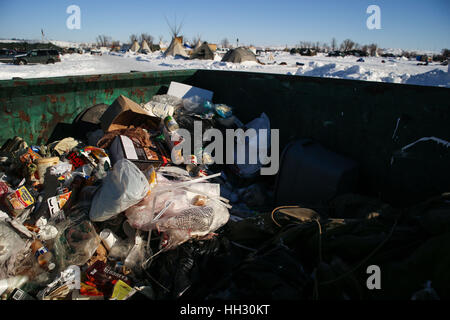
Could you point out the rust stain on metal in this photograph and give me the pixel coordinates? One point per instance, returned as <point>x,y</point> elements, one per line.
<point>24,116</point>
<point>48,126</point>
<point>53,99</point>
<point>109,92</point>
<point>46,82</point>
<point>93,78</point>
<point>6,111</point>
<point>62,99</point>
<point>20,83</point>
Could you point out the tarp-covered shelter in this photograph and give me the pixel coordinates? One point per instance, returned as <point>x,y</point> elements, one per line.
<point>239,55</point>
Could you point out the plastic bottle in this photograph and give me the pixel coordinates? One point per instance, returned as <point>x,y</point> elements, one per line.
<point>171,124</point>
<point>43,256</point>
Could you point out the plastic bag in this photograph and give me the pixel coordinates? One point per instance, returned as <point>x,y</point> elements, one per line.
<point>123,187</point>
<point>194,222</point>
<point>10,242</point>
<point>169,197</point>
<point>76,242</point>
<point>252,145</point>
<point>15,257</point>
<point>69,280</point>
<point>193,104</point>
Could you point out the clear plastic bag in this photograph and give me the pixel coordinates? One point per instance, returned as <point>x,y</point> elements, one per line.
<point>76,242</point>
<point>123,187</point>
<point>182,210</point>
<point>193,104</point>
<point>10,242</point>
<point>170,197</point>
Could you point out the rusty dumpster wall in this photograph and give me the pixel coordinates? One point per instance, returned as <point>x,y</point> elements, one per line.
<point>31,108</point>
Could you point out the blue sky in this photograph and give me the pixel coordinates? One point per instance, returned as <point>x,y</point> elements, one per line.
<point>411,24</point>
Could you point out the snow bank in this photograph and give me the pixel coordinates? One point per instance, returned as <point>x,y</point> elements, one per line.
<point>392,70</point>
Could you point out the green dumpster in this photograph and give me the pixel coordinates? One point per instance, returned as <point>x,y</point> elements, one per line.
<point>397,133</point>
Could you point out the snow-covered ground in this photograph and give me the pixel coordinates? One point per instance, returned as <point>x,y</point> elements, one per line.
<point>396,70</point>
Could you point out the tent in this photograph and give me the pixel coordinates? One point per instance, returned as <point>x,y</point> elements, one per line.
<point>144,47</point>
<point>203,52</point>
<point>162,46</point>
<point>239,55</point>
<point>176,48</point>
<point>135,47</point>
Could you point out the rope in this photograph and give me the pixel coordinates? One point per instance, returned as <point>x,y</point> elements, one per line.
<point>282,207</point>
<point>364,260</point>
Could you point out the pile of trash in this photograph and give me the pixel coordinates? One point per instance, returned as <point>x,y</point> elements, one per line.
<point>85,217</point>
<point>110,215</point>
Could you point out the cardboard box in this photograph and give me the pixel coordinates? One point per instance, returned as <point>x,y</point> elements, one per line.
<point>123,113</point>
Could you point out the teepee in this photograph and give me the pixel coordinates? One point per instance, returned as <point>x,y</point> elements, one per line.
<point>144,47</point>
<point>176,48</point>
<point>135,47</point>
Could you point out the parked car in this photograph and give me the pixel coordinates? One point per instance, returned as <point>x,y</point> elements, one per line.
<point>95,52</point>
<point>38,56</point>
<point>7,55</point>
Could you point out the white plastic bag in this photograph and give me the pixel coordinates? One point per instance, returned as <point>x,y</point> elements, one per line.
<point>255,146</point>
<point>123,187</point>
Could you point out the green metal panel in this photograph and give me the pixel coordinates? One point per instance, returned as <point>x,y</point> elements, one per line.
<point>31,108</point>
<point>369,122</point>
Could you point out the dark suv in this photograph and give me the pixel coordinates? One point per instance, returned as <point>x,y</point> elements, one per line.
<point>38,56</point>
<point>7,55</point>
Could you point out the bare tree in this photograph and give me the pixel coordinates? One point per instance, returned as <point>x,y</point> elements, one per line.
<point>333,44</point>
<point>133,38</point>
<point>196,39</point>
<point>365,48</point>
<point>373,49</point>
<point>148,38</point>
<point>225,43</point>
<point>160,38</point>
<point>347,45</point>
<point>104,41</point>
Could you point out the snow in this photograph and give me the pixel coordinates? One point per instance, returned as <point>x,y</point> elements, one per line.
<point>395,70</point>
